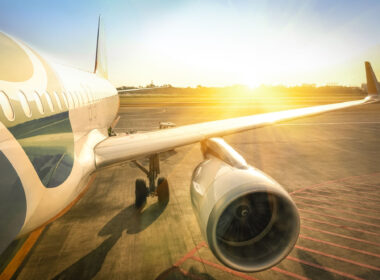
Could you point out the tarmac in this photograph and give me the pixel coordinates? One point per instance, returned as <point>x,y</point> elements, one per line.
<point>330,164</point>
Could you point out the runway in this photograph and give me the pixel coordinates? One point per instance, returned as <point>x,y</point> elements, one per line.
<point>330,164</point>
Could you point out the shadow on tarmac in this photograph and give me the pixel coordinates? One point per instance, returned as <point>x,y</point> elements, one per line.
<point>176,273</point>
<point>310,272</point>
<point>130,220</point>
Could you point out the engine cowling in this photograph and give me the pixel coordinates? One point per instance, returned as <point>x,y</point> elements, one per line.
<point>248,220</point>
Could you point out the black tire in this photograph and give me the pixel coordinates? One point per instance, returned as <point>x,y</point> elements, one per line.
<point>162,191</point>
<point>141,193</point>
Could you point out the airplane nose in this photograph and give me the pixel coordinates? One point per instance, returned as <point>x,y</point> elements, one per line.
<point>12,203</point>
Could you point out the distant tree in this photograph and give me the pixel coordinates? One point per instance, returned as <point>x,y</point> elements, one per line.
<point>167,85</point>
<point>125,87</point>
<point>151,85</point>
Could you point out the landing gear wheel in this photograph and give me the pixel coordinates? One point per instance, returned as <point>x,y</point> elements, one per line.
<point>141,192</point>
<point>162,191</point>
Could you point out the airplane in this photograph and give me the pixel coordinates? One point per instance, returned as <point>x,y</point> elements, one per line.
<point>55,132</point>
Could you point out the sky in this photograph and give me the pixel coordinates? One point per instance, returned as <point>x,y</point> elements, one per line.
<point>209,42</point>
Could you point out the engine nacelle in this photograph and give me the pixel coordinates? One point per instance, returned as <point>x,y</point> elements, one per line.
<point>248,220</point>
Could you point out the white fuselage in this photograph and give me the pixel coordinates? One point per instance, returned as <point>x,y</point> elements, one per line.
<point>67,112</point>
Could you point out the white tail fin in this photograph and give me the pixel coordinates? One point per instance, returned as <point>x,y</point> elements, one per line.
<point>373,87</point>
<point>101,68</point>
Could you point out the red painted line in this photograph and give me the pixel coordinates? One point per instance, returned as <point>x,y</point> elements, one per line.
<point>345,193</point>
<point>361,186</point>
<point>294,275</point>
<point>357,188</point>
<point>338,210</point>
<point>288,273</point>
<point>350,276</point>
<point>337,198</point>
<point>342,235</point>
<point>349,189</point>
<point>339,218</point>
<point>333,181</point>
<point>223,268</point>
<point>190,254</point>
<point>329,203</point>
<point>340,226</point>
<point>337,258</point>
<point>339,246</point>
<point>311,187</point>
<point>366,184</point>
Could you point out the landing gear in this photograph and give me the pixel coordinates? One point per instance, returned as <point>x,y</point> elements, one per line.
<point>161,189</point>
<point>141,193</point>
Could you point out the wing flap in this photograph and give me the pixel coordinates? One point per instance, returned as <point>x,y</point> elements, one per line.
<point>118,149</point>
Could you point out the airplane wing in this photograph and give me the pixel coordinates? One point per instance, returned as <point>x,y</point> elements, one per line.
<point>132,90</point>
<point>224,199</point>
<point>123,148</point>
<point>138,89</point>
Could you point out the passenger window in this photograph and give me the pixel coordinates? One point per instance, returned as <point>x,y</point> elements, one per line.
<point>80,98</point>
<point>88,93</point>
<point>7,107</point>
<point>65,99</point>
<point>77,98</point>
<point>49,101</point>
<point>37,99</point>
<point>24,104</point>
<point>71,100</point>
<point>58,101</point>
<point>85,96</point>
<point>91,94</point>
<point>74,98</point>
<point>90,97</point>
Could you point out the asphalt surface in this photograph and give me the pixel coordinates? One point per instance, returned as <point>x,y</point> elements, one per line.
<point>329,163</point>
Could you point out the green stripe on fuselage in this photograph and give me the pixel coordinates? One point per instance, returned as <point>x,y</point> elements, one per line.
<point>49,144</point>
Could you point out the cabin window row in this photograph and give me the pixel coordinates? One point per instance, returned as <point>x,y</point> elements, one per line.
<point>71,100</point>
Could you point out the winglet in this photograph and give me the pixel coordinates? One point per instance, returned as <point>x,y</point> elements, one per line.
<point>101,68</point>
<point>373,87</point>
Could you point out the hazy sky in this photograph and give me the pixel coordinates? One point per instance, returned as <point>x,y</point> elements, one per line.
<point>186,43</point>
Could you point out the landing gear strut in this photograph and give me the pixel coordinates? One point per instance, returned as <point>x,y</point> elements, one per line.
<point>161,189</point>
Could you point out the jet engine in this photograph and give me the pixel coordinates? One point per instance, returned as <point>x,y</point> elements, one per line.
<point>248,220</point>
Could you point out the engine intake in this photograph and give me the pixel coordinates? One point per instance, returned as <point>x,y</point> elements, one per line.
<point>249,221</point>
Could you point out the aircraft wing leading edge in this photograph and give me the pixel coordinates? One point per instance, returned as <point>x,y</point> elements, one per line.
<point>118,149</point>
